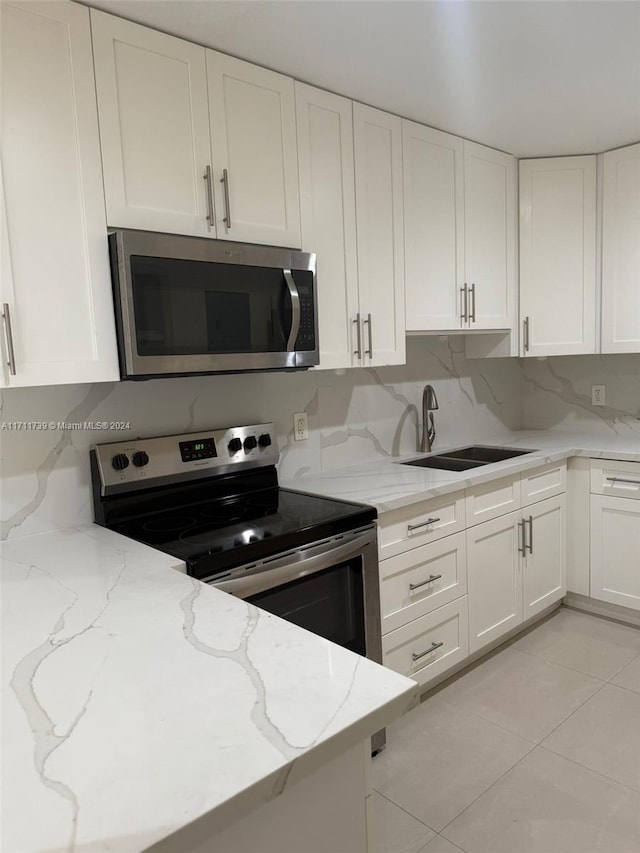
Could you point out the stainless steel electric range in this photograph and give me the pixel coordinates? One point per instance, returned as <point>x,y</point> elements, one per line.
<point>212,499</point>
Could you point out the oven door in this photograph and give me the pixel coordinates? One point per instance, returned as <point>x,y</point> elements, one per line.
<point>330,588</point>
<point>193,305</point>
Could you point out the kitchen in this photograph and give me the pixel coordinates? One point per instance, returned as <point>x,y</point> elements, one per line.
<point>353,415</point>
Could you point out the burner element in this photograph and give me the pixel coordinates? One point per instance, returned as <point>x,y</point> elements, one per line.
<point>168,524</point>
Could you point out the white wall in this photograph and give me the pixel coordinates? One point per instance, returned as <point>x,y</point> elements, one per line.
<point>360,415</point>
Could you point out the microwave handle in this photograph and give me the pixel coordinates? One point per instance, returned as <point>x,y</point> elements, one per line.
<point>295,310</point>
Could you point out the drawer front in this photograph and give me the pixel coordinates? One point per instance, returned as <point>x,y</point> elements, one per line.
<point>491,500</point>
<point>437,572</point>
<point>445,632</point>
<point>542,483</point>
<point>402,529</point>
<point>611,477</point>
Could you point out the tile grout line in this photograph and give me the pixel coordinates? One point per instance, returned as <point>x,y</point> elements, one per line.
<point>492,722</point>
<point>570,668</point>
<point>635,791</point>
<point>402,808</point>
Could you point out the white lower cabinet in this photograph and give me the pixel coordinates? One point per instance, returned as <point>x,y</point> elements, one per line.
<point>615,532</point>
<point>516,569</point>
<point>429,645</point>
<point>615,550</point>
<point>494,579</point>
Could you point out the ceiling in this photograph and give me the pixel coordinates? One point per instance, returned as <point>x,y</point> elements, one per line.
<point>532,77</point>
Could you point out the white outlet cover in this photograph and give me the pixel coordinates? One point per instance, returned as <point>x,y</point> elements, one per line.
<point>597,395</point>
<point>300,428</point>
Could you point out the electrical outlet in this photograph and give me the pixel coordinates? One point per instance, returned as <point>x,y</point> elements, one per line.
<point>597,395</point>
<point>300,428</point>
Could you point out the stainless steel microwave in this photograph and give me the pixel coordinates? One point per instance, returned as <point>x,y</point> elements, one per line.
<point>188,305</point>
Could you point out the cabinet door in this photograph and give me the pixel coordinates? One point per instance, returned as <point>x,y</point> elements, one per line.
<point>328,217</point>
<point>253,136</point>
<point>621,251</point>
<point>489,236</point>
<point>615,546</point>
<point>544,570</point>
<point>378,158</point>
<point>56,278</point>
<point>154,127</point>
<point>494,579</point>
<point>557,255</point>
<point>433,228</point>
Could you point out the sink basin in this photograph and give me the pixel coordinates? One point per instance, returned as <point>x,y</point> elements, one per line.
<point>445,463</point>
<point>469,457</point>
<point>481,453</point>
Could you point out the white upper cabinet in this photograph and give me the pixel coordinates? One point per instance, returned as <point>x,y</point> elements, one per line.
<point>328,217</point>
<point>194,142</point>
<point>460,221</point>
<point>379,214</point>
<point>154,127</point>
<point>255,161</point>
<point>557,255</point>
<point>489,237</point>
<point>56,288</point>
<point>621,251</point>
<point>434,227</point>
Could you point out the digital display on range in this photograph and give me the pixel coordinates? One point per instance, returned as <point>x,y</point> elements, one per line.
<point>201,448</point>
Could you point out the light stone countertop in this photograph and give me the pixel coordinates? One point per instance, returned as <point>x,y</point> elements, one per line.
<point>136,699</point>
<point>388,485</point>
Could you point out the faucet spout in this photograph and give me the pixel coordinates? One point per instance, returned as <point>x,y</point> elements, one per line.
<point>429,403</point>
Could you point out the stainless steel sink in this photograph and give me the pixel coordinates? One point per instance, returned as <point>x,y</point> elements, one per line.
<point>480,453</point>
<point>445,463</point>
<point>474,456</point>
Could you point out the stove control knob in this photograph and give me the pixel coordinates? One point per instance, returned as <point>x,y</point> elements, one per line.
<point>265,440</point>
<point>140,458</point>
<point>250,443</point>
<point>234,445</point>
<point>120,462</point>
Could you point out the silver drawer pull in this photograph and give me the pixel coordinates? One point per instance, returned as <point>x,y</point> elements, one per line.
<point>430,579</point>
<point>419,655</point>
<point>411,527</point>
<point>6,316</point>
<point>623,480</point>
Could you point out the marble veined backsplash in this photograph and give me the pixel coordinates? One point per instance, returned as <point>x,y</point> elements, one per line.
<point>360,415</point>
<point>556,394</point>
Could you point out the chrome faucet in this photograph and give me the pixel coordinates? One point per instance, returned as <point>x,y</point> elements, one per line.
<point>429,404</point>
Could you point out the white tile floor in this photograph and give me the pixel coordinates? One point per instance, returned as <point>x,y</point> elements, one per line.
<point>534,750</point>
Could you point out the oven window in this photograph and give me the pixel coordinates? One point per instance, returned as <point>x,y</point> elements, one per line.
<point>328,603</point>
<point>196,307</point>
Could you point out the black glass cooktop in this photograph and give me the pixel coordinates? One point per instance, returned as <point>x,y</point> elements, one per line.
<point>214,536</point>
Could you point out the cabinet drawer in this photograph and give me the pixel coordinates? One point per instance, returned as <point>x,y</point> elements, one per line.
<point>402,529</point>
<point>493,499</point>
<point>444,561</point>
<point>612,477</point>
<point>542,483</point>
<point>445,632</point>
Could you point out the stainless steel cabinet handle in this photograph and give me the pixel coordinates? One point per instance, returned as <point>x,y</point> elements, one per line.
<point>430,579</point>
<point>530,520</point>
<point>295,310</point>
<point>472,316</point>
<point>522,547</point>
<point>358,352</point>
<point>369,352</point>
<point>208,179</point>
<point>525,331</point>
<point>428,651</point>
<point>619,479</point>
<point>411,527</point>
<point>464,314</point>
<point>6,316</point>
<point>224,180</point>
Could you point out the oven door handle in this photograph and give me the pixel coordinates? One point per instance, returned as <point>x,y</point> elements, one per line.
<point>292,566</point>
<point>295,310</point>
